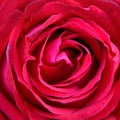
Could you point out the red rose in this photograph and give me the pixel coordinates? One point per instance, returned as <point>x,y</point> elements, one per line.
<point>60,59</point>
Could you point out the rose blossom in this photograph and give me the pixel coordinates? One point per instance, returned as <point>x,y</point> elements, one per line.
<point>60,59</point>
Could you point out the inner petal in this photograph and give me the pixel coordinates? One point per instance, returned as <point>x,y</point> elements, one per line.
<point>54,74</point>
<point>63,56</point>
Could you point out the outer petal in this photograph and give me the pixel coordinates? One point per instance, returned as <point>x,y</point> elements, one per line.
<point>112,10</point>
<point>9,110</point>
<point>11,20</point>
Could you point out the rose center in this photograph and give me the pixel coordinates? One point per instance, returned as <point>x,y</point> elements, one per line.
<point>63,66</point>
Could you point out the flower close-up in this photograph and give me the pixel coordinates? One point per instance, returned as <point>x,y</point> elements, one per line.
<point>59,60</point>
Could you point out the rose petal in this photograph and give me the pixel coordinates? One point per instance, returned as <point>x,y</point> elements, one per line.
<point>11,21</point>
<point>12,112</point>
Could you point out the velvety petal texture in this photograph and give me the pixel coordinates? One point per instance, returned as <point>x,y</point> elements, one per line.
<point>59,60</point>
